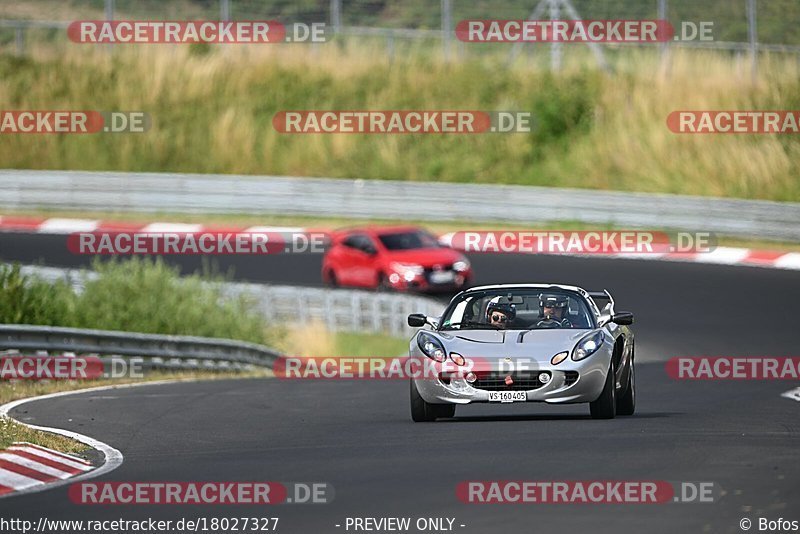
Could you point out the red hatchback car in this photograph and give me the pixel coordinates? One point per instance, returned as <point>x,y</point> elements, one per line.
<point>398,258</point>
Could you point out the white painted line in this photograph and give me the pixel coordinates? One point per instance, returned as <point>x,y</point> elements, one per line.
<point>162,227</point>
<point>17,481</point>
<point>53,457</point>
<point>793,394</point>
<point>788,261</point>
<point>36,466</point>
<point>66,226</point>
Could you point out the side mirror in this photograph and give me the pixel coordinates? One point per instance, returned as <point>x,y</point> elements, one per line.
<point>623,318</point>
<point>417,319</point>
<point>370,251</point>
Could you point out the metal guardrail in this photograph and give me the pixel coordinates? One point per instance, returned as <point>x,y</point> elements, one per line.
<point>129,344</point>
<point>337,309</point>
<point>379,199</point>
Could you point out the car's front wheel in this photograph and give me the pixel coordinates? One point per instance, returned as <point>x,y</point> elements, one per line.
<point>605,407</point>
<point>626,405</point>
<point>383,283</point>
<point>330,278</point>
<point>422,411</point>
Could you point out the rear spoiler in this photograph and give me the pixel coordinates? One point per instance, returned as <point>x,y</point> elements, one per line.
<point>602,295</point>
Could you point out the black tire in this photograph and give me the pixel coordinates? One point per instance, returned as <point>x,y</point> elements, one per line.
<point>626,404</point>
<point>330,279</point>
<point>444,410</point>
<point>605,407</point>
<point>383,283</point>
<point>425,412</point>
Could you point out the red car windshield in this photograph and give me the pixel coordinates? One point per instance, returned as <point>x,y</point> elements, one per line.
<point>408,240</point>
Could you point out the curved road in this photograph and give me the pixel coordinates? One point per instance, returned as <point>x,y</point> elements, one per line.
<point>358,436</point>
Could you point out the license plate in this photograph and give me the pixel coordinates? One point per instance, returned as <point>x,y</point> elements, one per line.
<point>507,396</point>
<point>442,277</point>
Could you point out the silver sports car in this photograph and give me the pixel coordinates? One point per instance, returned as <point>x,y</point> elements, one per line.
<point>524,343</point>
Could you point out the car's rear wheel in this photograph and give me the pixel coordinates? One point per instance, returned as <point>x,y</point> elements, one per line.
<point>605,407</point>
<point>626,404</point>
<point>422,411</point>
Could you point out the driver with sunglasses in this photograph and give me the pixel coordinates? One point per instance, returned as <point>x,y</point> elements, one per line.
<point>500,314</point>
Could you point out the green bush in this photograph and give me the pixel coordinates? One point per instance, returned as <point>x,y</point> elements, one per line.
<point>27,300</point>
<point>139,295</point>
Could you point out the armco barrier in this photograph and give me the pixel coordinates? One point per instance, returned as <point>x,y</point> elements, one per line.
<point>28,339</point>
<point>269,195</point>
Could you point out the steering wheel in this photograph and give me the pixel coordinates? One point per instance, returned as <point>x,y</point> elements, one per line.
<point>549,322</point>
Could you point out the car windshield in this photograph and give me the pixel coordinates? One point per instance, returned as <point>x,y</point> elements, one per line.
<point>470,310</point>
<point>408,240</point>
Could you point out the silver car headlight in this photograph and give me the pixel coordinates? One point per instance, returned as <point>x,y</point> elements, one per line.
<point>588,346</point>
<point>431,347</point>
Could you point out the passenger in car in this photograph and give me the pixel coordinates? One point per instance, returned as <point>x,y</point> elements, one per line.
<point>500,314</point>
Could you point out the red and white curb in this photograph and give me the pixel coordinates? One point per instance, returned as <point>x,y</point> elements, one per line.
<point>112,457</point>
<point>719,256</point>
<point>20,483</point>
<point>25,465</point>
<point>68,226</point>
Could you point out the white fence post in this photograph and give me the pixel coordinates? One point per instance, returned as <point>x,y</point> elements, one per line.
<point>752,32</point>
<point>225,10</point>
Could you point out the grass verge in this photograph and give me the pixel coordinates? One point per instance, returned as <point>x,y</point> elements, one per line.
<point>314,340</point>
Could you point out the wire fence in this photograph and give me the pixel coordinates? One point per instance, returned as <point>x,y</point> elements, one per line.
<point>741,27</point>
<point>339,310</point>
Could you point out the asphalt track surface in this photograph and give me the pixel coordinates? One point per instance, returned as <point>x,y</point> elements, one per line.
<point>357,435</point>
